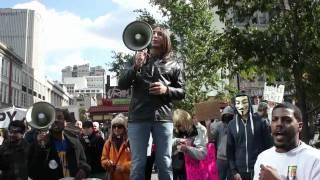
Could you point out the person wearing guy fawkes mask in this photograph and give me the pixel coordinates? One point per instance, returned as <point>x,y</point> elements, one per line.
<point>218,131</point>
<point>248,135</point>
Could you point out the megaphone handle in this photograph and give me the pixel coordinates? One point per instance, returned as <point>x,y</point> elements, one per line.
<point>135,62</point>
<point>42,138</point>
<point>140,58</point>
<point>42,144</point>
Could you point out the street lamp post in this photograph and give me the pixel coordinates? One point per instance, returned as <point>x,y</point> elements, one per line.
<point>238,81</point>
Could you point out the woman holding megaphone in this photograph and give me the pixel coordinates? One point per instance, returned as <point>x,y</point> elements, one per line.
<point>156,81</point>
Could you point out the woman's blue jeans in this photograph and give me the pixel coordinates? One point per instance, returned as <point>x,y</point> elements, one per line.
<point>139,133</point>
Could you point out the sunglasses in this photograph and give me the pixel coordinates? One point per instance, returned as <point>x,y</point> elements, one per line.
<point>13,131</point>
<point>119,126</point>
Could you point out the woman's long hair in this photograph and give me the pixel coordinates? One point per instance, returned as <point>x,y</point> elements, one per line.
<point>166,44</point>
<point>182,118</point>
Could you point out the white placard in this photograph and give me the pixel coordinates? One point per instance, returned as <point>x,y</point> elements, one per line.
<point>11,114</point>
<point>273,93</point>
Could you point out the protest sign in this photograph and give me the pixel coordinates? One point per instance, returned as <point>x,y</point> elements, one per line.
<point>11,114</point>
<point>273,93</point>
<point>210,109</point>
<point>202,169</point>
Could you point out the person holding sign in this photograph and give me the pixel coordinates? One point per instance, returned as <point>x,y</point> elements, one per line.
<point>190,139</point>
<point>289,158</point>
<point>247,136</point>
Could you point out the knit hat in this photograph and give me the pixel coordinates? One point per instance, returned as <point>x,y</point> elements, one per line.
<point>87,124</point>
<point>120,119</point>
<point>19,126</point>
<point>227,110</point>
<point>262,106</point>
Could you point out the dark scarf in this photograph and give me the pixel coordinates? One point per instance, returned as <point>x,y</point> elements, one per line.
<point>117,141</point>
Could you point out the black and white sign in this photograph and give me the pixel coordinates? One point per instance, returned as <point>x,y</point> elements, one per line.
<point>273,93</point>
<point>11,114</point>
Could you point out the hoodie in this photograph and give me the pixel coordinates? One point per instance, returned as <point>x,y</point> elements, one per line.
<point>246,139</point>
<point>218,132</point>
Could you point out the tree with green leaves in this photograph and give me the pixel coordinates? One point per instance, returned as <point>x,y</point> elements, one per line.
<point>120,61</point>
<point>287,46</point>
<point>194,40</point>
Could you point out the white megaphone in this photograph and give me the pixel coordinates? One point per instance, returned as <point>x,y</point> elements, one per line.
<point>41,115</point>
<point>137,35</point>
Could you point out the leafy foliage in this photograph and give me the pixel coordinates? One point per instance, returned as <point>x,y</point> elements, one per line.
<point>288,46</point>
<point>193,40</point>
<point>191,24</point>
<point>120,61</point>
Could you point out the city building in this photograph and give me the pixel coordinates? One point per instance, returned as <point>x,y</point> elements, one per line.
<point>20,32</point>
<point>86,84</point>
<point>20,83</point>
<point>18,86</point>
<point>82,71</point>
<point>11,66</point>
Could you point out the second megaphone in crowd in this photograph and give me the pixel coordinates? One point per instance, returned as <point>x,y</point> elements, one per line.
<point>41,115</point>
<point>137,35</point>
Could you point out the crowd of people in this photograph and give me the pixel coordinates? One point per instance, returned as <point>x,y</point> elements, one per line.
<point>247,146</point>
<point>240,145</point>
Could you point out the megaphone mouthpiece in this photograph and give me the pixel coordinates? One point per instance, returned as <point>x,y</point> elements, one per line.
<point>42,118</point>
<point>41,115</point>
<point>138,37</point>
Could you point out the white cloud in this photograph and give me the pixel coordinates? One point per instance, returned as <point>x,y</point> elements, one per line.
<point>64,30</point>
<point>66,34</point>
<point>70,59</point>
<point>137,4</point>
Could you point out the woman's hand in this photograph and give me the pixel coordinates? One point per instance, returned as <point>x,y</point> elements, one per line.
<point>158,88</point>
<point>140,59</point>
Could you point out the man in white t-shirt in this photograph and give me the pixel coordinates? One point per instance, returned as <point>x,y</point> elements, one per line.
<point>289,158</point>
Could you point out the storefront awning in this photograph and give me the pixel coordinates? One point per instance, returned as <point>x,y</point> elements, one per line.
<point>108,109</point>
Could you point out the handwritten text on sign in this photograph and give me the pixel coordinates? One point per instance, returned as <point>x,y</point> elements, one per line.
<point>273,93</point>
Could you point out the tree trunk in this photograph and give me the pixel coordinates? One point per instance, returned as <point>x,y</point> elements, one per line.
<point>302,104</point>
